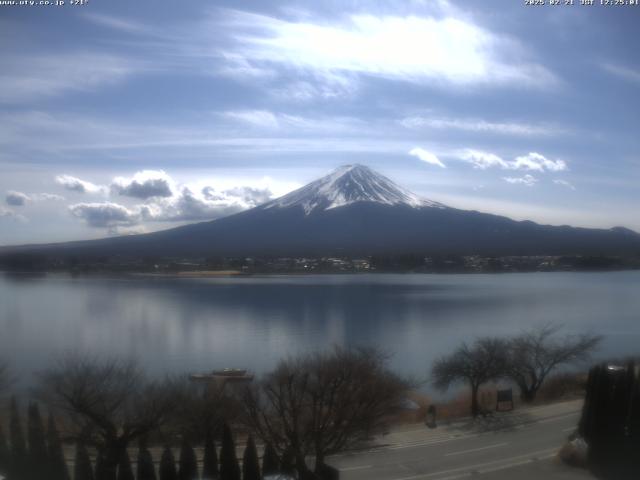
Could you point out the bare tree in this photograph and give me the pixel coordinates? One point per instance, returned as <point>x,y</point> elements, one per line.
<point>202,411</point>
<point>109,402</point>
<point>477,364</point>
<point>323,403</point>
<point>534,354</point>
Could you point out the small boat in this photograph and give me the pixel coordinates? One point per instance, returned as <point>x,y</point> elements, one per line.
<point>225,374</point>
<point>229,372</point>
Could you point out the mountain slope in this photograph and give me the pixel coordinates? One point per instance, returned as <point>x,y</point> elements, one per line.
<point>355,211</point>
<point>347,185</point>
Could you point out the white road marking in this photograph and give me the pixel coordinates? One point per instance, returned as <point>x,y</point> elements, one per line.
<point>462,452</point>
<point>359,467</point>
<point>440,439</point>
<point>445,437</point>
<point>495,469</point>
<point>511,462</point>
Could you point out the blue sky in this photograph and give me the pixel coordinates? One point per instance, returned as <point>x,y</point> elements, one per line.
<point>121,117</point>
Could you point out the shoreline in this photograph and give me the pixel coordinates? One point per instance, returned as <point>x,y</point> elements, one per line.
<point>240,274</point>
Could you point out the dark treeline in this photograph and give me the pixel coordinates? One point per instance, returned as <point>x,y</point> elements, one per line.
<point>36,453</point>
<point>125,426</point>
<point>419,262</point>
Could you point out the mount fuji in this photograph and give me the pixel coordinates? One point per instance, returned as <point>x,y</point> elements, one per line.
<point>355,211</point>
<point>348,185</point>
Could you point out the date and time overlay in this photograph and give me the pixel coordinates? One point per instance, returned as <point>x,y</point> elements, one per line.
<point>528,3</point>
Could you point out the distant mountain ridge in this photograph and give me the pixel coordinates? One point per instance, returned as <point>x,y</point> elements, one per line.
<point>355,211</point>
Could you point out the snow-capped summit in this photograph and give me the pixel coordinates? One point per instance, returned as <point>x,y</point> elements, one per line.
<point>346,185</point>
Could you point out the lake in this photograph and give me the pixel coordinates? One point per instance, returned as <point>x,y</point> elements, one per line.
<point>190,325</point>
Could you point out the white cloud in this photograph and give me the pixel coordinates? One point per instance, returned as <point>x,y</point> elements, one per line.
<point>250,195</point>
<point>298,125</point>
<point>261,118</point>
<point>11,215</point>
<point>530,162</point>
<point>75,184</point>
<point>17,199</point>
<point>426,156</point>
<point>410,48</point>
<point>144,184</point>
<point>206,203</point>
<point>482,160</point>
<point>117,23</point>
<point>184,203</point>
<point>527,180</point>
<point>59,132</point>
<point>105,214</point>
<point>240,69</point>
<point>191,206</point>
<point>475,125</point>
<point>537,162</point>
<point>325,87</point>
<point>48,197</point>
<point>27,78</point>
<point>564,183</point>
<point>626,73</point>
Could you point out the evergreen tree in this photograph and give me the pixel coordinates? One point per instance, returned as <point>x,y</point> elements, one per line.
<point>4,453</point>
<point>146,470</point>
<point>82,469</point>
<point>229,467</point>
<point>125,472</point>
<point>287,466</point>
<point>168,466</point>
<point>100,470</point>
<point>18,451</point>
<point>38,458</point>
<point>188,463</point>
<point>270,462</point>
<point>250,464</point>
<point>57,464</point>
<point>210,461</point>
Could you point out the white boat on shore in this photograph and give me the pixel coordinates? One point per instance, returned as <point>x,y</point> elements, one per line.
<point>226,374</point>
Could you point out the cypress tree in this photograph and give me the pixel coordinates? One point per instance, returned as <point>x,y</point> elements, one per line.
<point>57,464</point>
<point>4,453</point>
<point>270,462</point>
<point>38,458</point>
<point>250,464</point>
<point>145,470</point>
<point>125,472</point>
<point>82,469</point>
<point>100,470</point>
<point>229,467</point>
<point>210,461</point>
<point>287,466</point>
<point>168,465</point>
<point>188,463</point>
<point>18,451</point>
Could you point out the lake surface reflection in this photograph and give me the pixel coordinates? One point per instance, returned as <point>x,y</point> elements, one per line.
<point>185,325</point>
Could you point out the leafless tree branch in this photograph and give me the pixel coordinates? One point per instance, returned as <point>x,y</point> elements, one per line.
<point>324,403</point>
<point>537,352</point>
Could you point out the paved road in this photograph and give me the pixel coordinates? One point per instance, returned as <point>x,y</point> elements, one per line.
<point>521,445</point>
